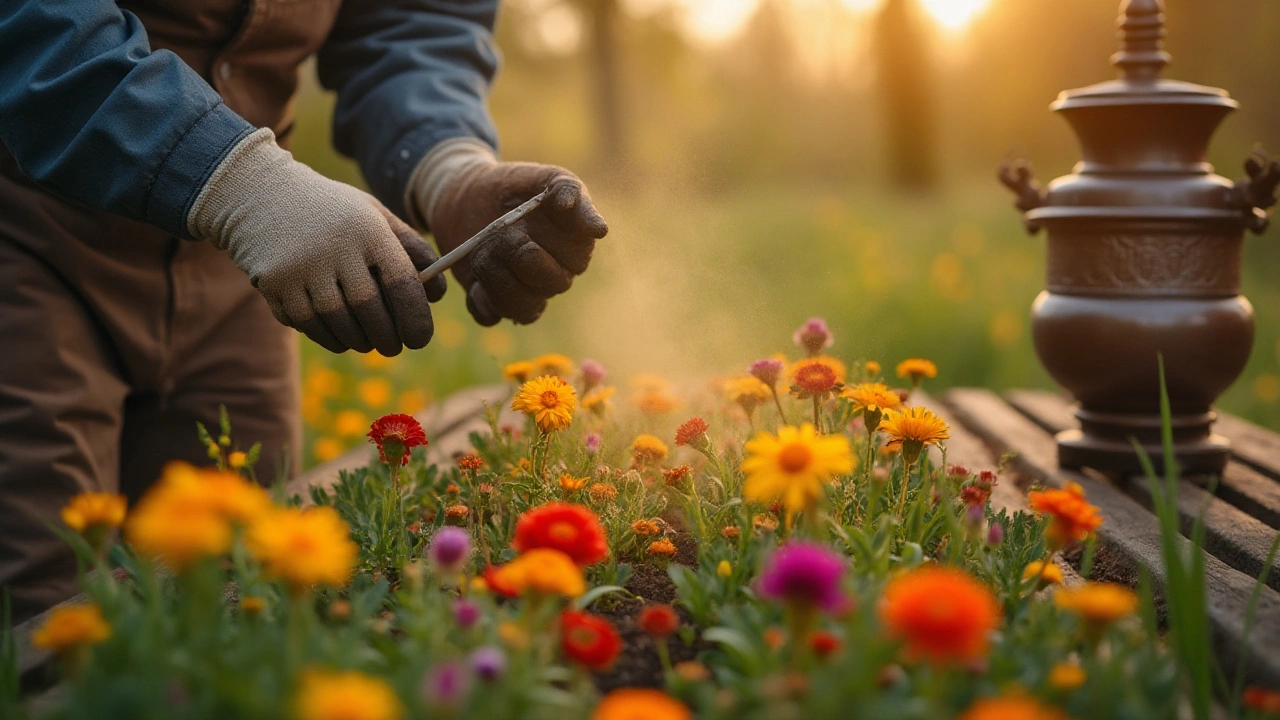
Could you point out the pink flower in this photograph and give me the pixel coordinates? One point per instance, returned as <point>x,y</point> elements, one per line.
<point>767,371</point>
<point>593,373</point>
<point>804,574</point>
<point>814,336</point>
<point>592,441</point>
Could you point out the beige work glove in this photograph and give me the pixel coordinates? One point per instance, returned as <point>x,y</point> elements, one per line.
<point>330,260</point>
<point>460,187</point>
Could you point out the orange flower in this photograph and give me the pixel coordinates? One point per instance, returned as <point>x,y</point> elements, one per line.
<point>542,570</point>
<point>662,547</point>
<point>912,429</point>
<point>676,474</point>
<point>71,626</point>
<point>813,378</point>
<point>1012,707</point>
<point>470,462</point>
<point>1071,518</point>
<point>572,529</point>
<point>94,510</point>
<point>648,448</point>
<point>589,640</point>
<point>693,432</point>
<point>602,493</point>
<point>917,369</point>
<point>943,614</point>
<point>569,483</point>
<point>645,528</point>
<point>1262,700</point>
<point>640,704</point>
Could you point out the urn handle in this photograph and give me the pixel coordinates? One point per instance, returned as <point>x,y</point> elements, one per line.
<point>1255,193</point>
<point>1018,175</point>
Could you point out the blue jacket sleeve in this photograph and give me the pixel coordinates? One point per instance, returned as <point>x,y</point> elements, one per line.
<point>91,113</point>
<point>409,73</point>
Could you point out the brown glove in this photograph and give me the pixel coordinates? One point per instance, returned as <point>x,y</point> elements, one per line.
<point>512,275</point>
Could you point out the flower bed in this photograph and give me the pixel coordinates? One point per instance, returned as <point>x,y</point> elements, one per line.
<point>789,542</point>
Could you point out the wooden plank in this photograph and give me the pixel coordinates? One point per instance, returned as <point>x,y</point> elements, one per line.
<point>1231,534</point>
<point>1252,445</point>
<point>1131,535</point>
<point>441,422</point>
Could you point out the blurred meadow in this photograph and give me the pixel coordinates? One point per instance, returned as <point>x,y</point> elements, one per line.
<point>755,172</point>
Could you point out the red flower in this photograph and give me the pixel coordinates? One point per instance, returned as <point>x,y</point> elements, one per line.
<point>824,644</point>
<point>395,435</point>
<point>694,429</point>
<point>572,529</point>
<point>589,640</point>
<point>659,620</point>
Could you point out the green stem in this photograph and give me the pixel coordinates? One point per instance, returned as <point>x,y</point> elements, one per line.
<point>777,402</point>
<point>902,501</point>
<point>817,414</point>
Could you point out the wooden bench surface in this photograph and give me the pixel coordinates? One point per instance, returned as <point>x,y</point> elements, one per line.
<point>1241,516</point>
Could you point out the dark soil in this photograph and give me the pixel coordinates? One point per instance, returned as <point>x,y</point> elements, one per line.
<point>638,664</point>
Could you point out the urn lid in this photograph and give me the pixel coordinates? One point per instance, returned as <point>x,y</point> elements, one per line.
<point>1141,60</point>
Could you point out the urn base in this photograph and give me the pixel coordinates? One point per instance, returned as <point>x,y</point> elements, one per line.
<point>1106,442</point>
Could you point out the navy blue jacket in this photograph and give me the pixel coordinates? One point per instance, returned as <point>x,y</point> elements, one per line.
<point>89,111</point>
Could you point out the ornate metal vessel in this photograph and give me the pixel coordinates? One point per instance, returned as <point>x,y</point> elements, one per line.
<point>1144,258</point>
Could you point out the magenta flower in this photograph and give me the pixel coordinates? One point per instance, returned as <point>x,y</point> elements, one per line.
<point>593,373</point>
<point>465,613</point>
<point>804,574</point>
<point>592,441</point>
<point>446,685</point>
<point>814,336</point>
<point>767,371</point>
<point>995,534</point>
<point>450,549</point>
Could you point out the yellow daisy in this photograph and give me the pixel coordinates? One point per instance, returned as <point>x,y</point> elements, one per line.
<point>519,371</point>
<point>871,399</point>
<point>917,369</point>
<point>793,465</point>
<point>549,400</point>
<point>553,364</point>
<point>912,429</point>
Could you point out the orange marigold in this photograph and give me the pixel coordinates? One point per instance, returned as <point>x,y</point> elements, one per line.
<point>941,613</point>
<point>1262,699</point>
<point>1012,707</point>
<point>572,529</point>
<point>676,474</point>
<point>1071,518</point>
<point>663,547</point>
<point>645,528</point>
<point>640,704</point>
<point>602,493</point>
<point>693,432</point>
<point>470,462</point>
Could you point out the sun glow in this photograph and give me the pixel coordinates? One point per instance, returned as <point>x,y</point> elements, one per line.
<point>954,14</point>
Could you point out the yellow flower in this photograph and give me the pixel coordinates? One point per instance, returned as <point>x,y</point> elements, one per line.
<point>253,605</point>
<point>513,636</point>
<point>411,401</point>
<point>1066,676</point>
<point>549,400</point>
<point>570,483</point>
<point>1044,574</point>
<point>917,369</point>
<point>190,512</point>
<point>724,569</point>
<point>331,695</point>
<point>327,448</point>
<point>602,493</point>
<point>374,392</point>
<point>519,371</point>
<point>872,399</point>
<point>794,465</point>
<point>648,382</point>
<point>597,401</point>
<point>541,570</point>
<point>1099,604</point>
<point>649,449</point>
<point>71,626</point>
<point>663,547</point>
<point>553,364</point>
<point>322,382</point>
<point>351,423</point>
<point>871,368</point>
<point>640,704</point>
<point>237,459</point>
<point>747,391</point>
<point>304,547</point>
<point>376,360</point>
<point>912,429</point>
<point>654,402</point>
<point>91,509</point>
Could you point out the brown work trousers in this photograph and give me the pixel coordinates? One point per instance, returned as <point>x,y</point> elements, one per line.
<point>115,339</point>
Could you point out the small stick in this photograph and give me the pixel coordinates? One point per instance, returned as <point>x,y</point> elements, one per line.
<point>511,218</point>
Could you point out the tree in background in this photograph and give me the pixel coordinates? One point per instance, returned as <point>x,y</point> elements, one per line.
<point>905,78</point>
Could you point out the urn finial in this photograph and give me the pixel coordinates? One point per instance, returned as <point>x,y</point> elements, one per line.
<point>1142,55</point>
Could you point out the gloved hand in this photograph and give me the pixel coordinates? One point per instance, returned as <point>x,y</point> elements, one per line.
<point>330,260</point>
<point>513,274</point>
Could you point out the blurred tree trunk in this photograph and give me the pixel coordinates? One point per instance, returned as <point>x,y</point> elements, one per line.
<point>602,21</point>
<point>905,76</point>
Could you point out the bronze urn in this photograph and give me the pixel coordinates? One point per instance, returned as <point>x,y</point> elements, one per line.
<point>1144,259</point>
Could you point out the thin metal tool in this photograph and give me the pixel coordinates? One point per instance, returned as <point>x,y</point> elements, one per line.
<point>511,218</point>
